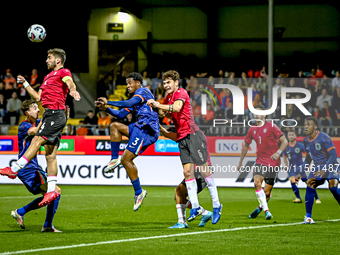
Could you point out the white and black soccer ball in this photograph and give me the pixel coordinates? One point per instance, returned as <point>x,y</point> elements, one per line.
<point>36,33</point>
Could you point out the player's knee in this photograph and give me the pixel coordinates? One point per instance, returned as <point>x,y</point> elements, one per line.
<point>186,173</point>
<point>114,125</point>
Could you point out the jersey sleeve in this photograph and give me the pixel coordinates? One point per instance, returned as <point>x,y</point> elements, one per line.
<point>248,138</point>
<point>329,145</point>
<point>65,74</point>
<point>180,94</point>
<point>142,94</point>
<point>277,131</point>
<point>303,150</point>
<point>24,128</point>
<point>284,153</point>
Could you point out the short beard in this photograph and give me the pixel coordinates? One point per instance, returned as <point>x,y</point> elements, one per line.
<point>51,67</point>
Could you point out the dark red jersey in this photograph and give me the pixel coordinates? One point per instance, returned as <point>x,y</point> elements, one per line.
<point>267,142</point>
<point>54,89</point>
<point>184,119</point>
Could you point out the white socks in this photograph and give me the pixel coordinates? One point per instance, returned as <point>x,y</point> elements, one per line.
<point>51,182</point>
<point>261,197</point>
<point>20,163</point>
<point>181,212</point>
<point>192,192</point>
<point>213,191</point>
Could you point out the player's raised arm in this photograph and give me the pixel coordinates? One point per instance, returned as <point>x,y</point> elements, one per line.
<point>102,104</point>
<point>126,103</point>
<point>73,89</point>
<point>35,95</point>
<point>175,107</point>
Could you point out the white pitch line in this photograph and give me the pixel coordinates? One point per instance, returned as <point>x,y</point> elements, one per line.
<point>81,195</point>
<point>157,237</point>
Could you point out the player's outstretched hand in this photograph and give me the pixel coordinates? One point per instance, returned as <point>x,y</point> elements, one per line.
<point>101,104</point>
<point>20,79</point>
<point>275,156</point>
<point>75,95</point>
<point>152,103</point>
<point>319,173</point>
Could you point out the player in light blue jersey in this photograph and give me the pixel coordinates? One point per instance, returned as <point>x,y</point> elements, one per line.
<point>32,176</point>
<point>321,150</point>
<point>141,134</point>
<point>295,152</point>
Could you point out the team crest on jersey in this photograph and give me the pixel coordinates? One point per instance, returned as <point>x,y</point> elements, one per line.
<point>254,132</point>
<point>265,130</point>
<point>297,150</point>
<point>318,146</point>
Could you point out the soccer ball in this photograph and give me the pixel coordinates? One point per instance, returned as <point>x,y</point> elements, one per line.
<point>36,33</point>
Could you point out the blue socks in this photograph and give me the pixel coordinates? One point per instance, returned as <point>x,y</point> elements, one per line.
<point>29,207</point>
<point>336,193</point>
<point>114,150</point>
<point>51,210</point>
<point>296,190</point>
<point>310,194</point>
<point>137,187</point>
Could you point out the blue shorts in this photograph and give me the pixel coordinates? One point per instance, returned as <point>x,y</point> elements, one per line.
<point>327,176</point>
<point>140,138</point>
<point>33,177</point>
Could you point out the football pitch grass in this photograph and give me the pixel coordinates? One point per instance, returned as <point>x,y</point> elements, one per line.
<point>100,220</point>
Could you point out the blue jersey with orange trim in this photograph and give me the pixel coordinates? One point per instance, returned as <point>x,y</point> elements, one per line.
<point>295,153</point>
<point>24,140</point>
<point>146,116</point>
<point>318,148</point>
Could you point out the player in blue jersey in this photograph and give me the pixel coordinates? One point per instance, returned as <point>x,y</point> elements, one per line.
<point>32,176</point>
<point>295,152</point>
<point>141,134</point>
<point>321,150</point>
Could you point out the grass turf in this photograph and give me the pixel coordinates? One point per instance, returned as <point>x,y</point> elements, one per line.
<point>90,214</point>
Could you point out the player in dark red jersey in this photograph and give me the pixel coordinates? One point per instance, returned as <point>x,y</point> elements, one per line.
<point>52,94</point>
<point>267,136</point>
<point>191,143</point>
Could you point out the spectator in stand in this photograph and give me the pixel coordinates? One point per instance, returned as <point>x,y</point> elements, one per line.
<point>310,104</point>
<point>219,113</point>
<point>231,79</point>
<point>312,77</point>
<point>160,99</point>
<point>326,115</point>
<point>196,110</point>
<point>91,121</point>
<point>160,90</point>
<point>323,98</point>
<point>336,80</point>
<point>244,82</point>
<point>35,80</point>
<point>226,99</point>
<point>318,89</point>
<point>103,124</point>
<point>82,130</point>
<point>9,91</point>
<point>13,108</point>
<point>316,112</point>
<point>146,79</point>
<point>336,106</point>
<point>319,72</point>
<point>291,84</point>
<point>220,80</point>
<point>208,118</point>
<point>289,115</point>
<point>299,79</point>
<point>2,88</point>
<point>327,83</point>
<point>2,106</point>
<point>9,79</point>
<point>229,113</point>
<point>154,83</point>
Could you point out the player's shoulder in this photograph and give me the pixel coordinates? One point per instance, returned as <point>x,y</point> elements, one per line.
<point>323,135</point>
<point>180,93</point>
<point>64,70</point>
